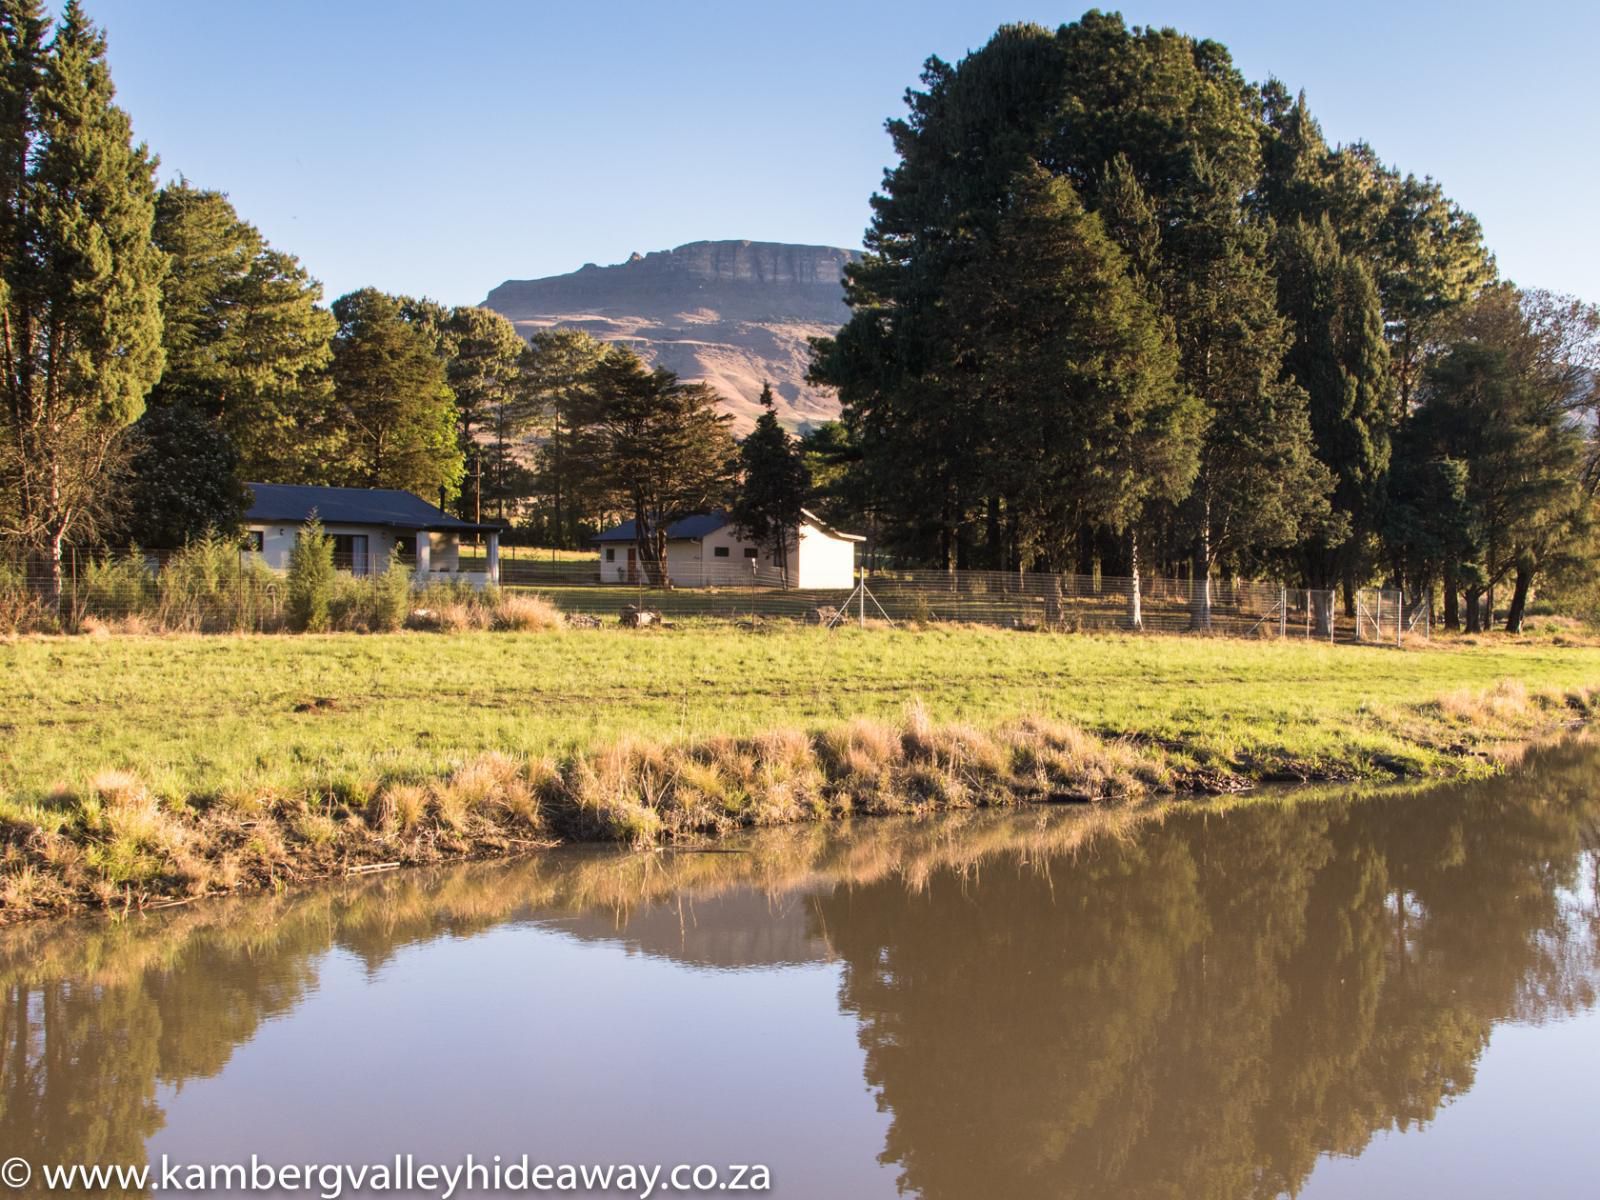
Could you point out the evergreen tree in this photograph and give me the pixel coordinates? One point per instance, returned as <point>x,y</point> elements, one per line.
<point>1260,488</point>
<point>1430,260</point>
<point>1429,529</point>
<point>554,369</point>
<point>484,371</point>
<point>393,399</point>
<point>833,464</point>
<point>80,280</point>
<point>643,443</point>
<point>246,342</point>
<point>1500,398</point>
<point>184,480</point>
<point>1294,183</point>
<point>311,578</point>
<point>773,485</point>
<point>1340,358</point>
<point>1086,421</point>
<point>1174,160</point>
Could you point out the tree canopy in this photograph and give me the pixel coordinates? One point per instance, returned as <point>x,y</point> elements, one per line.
<point>392,400</point>
<point>80,278</point>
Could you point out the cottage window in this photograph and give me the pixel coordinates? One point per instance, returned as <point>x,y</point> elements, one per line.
<point>611,554</point>
<point>350,552</point>
<point>256,540</point>
<point>720,551</point>
<point>749,551</point>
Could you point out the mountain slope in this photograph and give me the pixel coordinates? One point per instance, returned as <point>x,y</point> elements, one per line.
<point>731,314</point>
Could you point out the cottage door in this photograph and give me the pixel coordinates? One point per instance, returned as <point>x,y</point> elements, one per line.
<point>633,564</point>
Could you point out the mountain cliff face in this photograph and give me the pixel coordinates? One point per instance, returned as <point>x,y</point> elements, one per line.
<point>730,314</point>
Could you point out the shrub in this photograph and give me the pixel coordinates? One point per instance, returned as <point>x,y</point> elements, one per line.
<point>113,588</point>
<point>23,610</point>
<point>311,578</point>
<point>391,598</point>
<point>212,584</point>
<point>372,603</point>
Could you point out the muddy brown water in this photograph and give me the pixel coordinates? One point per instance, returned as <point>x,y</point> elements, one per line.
<point>1332,995</point>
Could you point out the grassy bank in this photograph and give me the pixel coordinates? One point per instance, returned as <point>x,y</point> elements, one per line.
<point>140,768</point>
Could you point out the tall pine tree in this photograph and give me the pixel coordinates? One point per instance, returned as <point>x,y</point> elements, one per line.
<point>80,279</point>
<point>1340,358</point>
<point>393,400</point>
<point>773,484</point>
<point>645,444</point>
<point>247,342</point>
<point>1086,420</point>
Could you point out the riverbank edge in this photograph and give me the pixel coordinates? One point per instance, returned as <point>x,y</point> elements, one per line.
<point>115,845</point>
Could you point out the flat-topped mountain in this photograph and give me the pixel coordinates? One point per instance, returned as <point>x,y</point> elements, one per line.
<point>729,313</point>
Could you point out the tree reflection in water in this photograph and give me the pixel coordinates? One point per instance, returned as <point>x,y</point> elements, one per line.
<point>1188,1001</point>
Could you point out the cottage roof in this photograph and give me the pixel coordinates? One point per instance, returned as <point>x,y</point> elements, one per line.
<point>388,508</point>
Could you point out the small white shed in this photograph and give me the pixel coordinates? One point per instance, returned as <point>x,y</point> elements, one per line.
<point>370,528</point>
<point>709,550</point>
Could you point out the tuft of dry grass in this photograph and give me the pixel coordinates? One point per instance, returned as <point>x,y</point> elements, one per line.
<point>527,614</point>
<point>401,806</point>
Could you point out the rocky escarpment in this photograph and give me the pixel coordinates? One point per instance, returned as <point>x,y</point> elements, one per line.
<point>732,314</point>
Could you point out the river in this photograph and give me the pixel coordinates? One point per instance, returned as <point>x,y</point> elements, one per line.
<point>1327,994</point>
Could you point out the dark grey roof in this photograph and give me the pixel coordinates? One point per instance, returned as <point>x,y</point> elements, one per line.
<point>693,528</point>
<point>388,508</point>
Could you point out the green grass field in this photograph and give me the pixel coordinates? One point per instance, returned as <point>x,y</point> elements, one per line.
<point>194,714</point>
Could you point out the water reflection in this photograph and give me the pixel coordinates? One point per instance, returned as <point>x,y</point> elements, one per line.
<point>1195,1001</point>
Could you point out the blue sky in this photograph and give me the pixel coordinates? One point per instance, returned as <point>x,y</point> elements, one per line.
<point>439,149</point>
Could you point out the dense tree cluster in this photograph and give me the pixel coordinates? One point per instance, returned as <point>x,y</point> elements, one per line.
<point>1120,307</point>
<point>1121,312</point>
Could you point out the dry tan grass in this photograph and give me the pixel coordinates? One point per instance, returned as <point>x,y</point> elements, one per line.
<point>402,805</point>
<point>115,842</point>
<point>526,614</point>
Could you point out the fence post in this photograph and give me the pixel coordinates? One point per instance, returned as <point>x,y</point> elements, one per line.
<point>1283,613</point>
<point>861,603</point>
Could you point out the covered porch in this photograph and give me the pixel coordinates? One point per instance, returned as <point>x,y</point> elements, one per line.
<point>439,556</point>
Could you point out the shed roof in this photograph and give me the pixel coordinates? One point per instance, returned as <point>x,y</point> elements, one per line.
<point>691,528</point>
<point>829,529</point>
<point>695,527</point>
<point>388,508</point>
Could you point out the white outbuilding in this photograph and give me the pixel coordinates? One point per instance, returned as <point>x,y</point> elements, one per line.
<point>709,550</point>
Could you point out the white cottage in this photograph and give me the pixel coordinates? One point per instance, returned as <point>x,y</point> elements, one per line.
<point>370,528</point>
<point>709,550</point>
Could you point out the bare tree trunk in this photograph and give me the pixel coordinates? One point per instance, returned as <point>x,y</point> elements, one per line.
<point>1452,601</point>
<point>56,575</point>
<point>1321,601</point>
<point>1135,599</point>
<point>1474,610</point>
<point>1519,597</point>
<point>1200,604</point>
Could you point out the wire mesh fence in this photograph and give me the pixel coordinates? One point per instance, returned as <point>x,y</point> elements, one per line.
<point>1017,600</point>
<point>226,589</point>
